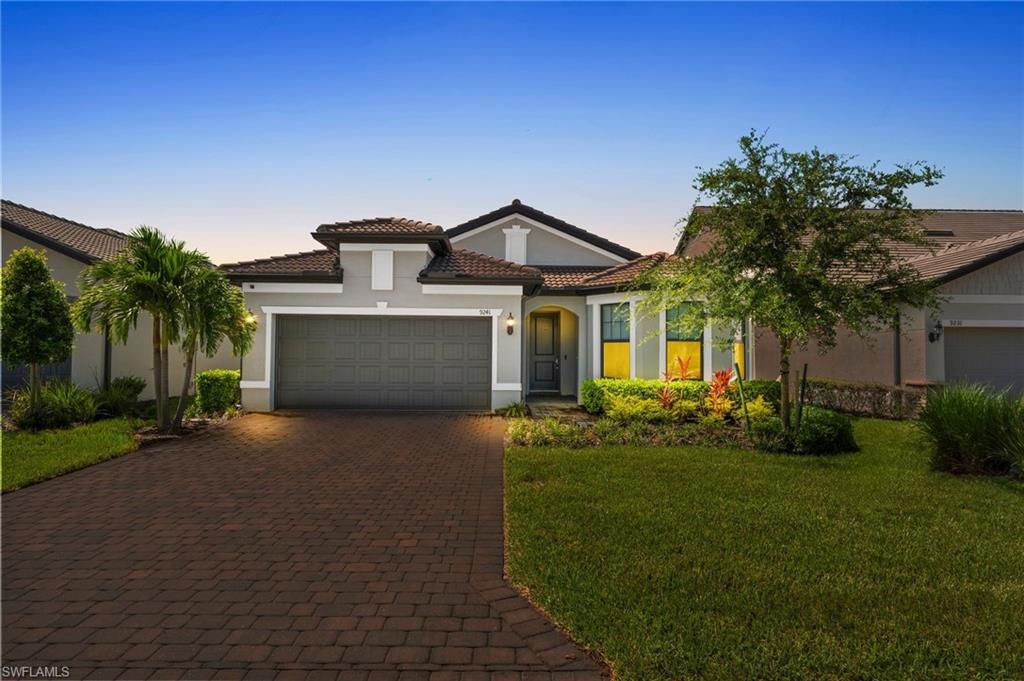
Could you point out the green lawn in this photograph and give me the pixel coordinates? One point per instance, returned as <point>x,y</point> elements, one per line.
<point>682,563</point>
<point>31,457</point>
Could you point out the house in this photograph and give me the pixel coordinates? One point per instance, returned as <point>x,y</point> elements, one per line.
<point>393,313</point>
<point>70,246</point>
<point>976,336</point>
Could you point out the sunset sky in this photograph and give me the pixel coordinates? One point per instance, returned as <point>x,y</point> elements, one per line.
<point>240,127</point>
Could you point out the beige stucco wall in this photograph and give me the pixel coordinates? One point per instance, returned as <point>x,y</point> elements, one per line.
<point>134,358</point>
<point>543,247</point>
<point>407,293</point>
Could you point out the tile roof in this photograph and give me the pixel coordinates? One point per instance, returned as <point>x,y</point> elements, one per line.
<point>465,264</point>
<point>72,238</point>
<point>567,276</point>
<point>390,225</point>
<point>626,273</point>
<point>521,208</point>
<point>323,262</point>
<point>958,259</point>
<point>944,227</point>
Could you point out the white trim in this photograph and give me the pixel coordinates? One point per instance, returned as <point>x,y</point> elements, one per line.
<point>471,290</point>
<point>271,310</point>
<point>384,312</point>
<point>288,287</point>
<point>515,243</point>
<point>517,387</point>
<point>541,225</point>
<point>707,356</point>
<point>363,247</point>
<point>606,298</point>
<point>662,339</point>
<point>632,337</point>
<point>982,323</point>
<point>382,270</point>
<point>595,314</point>
<point>1012,298</point>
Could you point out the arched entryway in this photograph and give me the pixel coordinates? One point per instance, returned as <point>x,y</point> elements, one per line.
<point>552,351</point>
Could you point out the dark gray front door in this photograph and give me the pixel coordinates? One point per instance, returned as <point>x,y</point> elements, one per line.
<point>419,363</point>
<point>544,350</point>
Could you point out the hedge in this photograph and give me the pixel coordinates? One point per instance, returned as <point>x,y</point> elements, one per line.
<point>217,390</point>
<point>594,390</point>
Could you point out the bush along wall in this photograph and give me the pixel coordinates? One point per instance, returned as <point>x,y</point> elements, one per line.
<point>866,399</point>
<point>217,391</point>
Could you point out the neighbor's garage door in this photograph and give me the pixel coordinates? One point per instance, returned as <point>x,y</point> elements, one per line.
<point>982,355</point>
<point>384,362</point>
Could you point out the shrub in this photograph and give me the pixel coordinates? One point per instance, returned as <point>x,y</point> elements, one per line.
<point>595,391</point>
<point>121,397</point>
<point>685,410</point>
<point>549,432</point>
<point>217,391</point>
<point>822,432</point>
<point>771,391</point>
<point>975,430</point>
<point>61,404</point>
<point>757,409</point>
<point>516,410</point>
<point>628,408</point>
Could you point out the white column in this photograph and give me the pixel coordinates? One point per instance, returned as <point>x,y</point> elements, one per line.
<point>515,244</point>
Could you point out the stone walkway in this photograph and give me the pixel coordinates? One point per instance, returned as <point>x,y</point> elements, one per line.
<point>288,546</point>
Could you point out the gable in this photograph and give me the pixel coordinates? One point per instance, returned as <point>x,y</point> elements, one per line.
<point>545,245</point>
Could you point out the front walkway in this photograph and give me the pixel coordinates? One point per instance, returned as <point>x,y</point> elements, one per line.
<point>304,546</point>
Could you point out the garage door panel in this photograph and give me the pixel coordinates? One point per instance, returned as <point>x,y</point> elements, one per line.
<point>986,355</point>
<point>418,363</point>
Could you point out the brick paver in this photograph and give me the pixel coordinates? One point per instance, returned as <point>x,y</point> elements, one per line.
<point>288,546</point>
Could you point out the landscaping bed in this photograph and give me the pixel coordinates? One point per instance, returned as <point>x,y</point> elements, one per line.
<point>723,563</point>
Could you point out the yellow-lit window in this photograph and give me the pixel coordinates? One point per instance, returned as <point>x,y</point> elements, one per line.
<point>739,352</point>
<point>684,351</point>
<point>615,341</point>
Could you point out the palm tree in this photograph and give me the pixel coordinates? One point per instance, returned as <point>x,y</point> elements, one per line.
<point>214,310</point>
<point>160,277</point>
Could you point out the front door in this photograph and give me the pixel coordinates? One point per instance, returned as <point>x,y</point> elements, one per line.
<point>544,349</point>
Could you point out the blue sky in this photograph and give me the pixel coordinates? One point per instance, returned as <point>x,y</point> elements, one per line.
<point>240,127</point>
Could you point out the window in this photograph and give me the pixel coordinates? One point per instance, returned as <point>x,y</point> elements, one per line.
<point>615,340</point>
<point>682,349</point>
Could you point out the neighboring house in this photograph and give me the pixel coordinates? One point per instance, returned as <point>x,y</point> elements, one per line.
<point>397,314</point>
<point>69,247</point>
<point>978,334</point>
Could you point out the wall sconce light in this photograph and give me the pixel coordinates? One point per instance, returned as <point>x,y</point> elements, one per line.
<point>936,333</point>
<point>510,324</point>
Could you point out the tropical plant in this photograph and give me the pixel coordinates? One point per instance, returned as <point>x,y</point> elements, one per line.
<point>975,430</point>
<point>517,410</point>
<point>667,396</point>
<point>680,370</point>
<point>121,397</point>
<point>59,404</point>
<point>800,243</point>
<point>34,316</point>
<point>213,311</point>
<point>718,400</point>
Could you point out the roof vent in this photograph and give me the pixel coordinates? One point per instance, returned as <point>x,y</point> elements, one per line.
<point>938,232</point>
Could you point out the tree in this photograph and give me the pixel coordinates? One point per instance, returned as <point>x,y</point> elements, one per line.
<point>34,315</point>
<point>145,276</point>
<point>214,311</point>
<point>800,243</point>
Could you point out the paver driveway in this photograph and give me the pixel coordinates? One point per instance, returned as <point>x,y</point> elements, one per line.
<point>312,545</point>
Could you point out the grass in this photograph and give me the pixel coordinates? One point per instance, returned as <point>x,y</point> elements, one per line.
<point>680,563</point>
<point>32,457</point>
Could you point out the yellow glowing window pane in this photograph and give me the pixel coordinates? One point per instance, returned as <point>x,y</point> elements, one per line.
<point>616,360</point>
<point>739,354</point>
<point>687,350</point>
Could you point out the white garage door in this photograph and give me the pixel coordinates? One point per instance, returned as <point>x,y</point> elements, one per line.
<point>993,356</point>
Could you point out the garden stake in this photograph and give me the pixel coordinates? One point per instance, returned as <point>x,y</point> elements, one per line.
<point>800,401</point>
<point>743,398</point>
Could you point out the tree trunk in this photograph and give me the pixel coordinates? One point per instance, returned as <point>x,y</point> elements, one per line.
<point>785,401</point>
<point>33,386</point>
<point>179,413</point>
<point>165,379</point>
<point>158,374</point>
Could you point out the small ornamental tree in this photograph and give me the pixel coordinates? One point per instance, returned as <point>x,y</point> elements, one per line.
<point>34,316</point>
<point>800,243</point>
